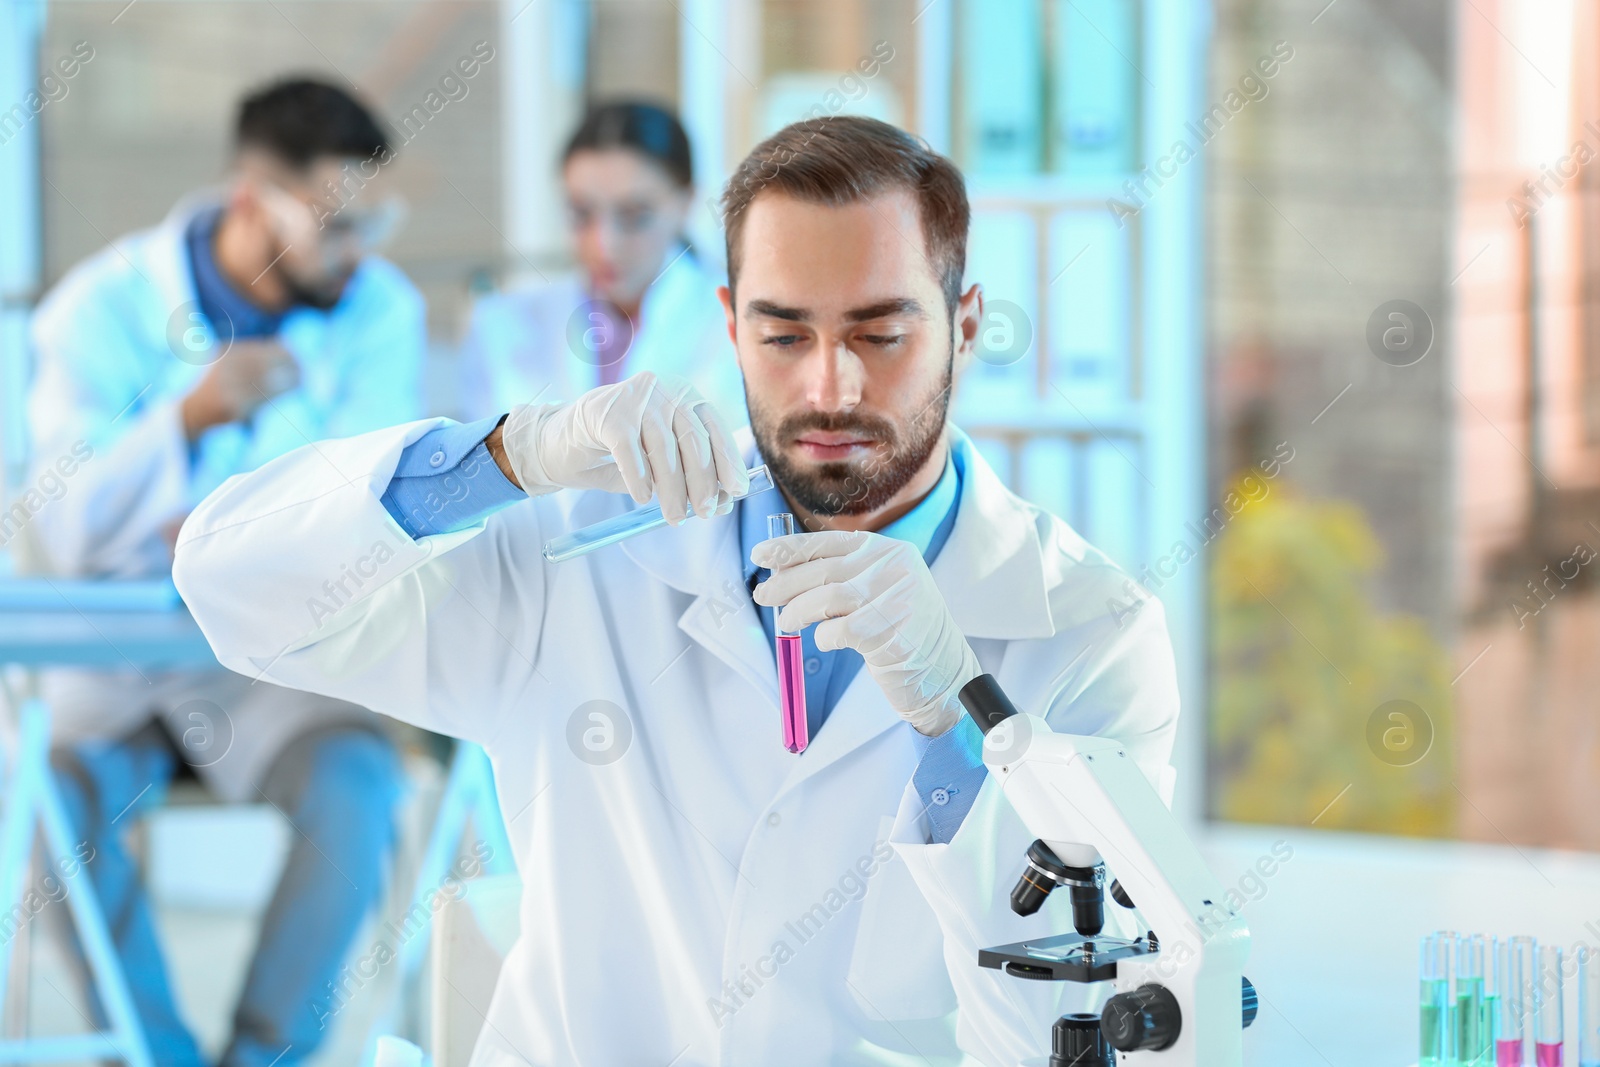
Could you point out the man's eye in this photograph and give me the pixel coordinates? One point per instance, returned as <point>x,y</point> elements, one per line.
<point>787,340</point>
<point>885,340</point>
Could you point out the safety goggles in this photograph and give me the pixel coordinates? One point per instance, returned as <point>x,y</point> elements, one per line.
<point>368,226</point>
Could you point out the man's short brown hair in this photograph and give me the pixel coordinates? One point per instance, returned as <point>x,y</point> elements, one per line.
<point>846,160</point>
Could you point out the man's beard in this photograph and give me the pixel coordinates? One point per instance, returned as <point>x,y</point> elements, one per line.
<point>322,296</point>
<point>851,487</point>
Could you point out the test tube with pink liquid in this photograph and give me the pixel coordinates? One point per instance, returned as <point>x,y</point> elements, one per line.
<point>1547,1009</point>
<point>791,662</point>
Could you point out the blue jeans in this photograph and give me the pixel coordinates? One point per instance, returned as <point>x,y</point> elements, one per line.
<point>338,787</point>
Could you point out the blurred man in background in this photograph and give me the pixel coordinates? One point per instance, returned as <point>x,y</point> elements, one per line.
<point>243,326</point>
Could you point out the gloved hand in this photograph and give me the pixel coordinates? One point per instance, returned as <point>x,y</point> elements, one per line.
<point>873,594</point>
<point>646,435</point>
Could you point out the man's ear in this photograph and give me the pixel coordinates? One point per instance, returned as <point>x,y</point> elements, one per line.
<point>968,319</point>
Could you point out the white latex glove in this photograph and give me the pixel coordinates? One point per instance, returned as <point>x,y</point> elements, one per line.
<point>873,594</point>
<point>645,435</point>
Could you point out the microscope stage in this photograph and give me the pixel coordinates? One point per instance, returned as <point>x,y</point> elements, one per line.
<point>1064,958</point>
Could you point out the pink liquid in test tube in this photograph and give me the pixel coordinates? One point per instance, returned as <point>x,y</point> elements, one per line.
<point>1548,1022</point>
<point>792,692</point>
<point>1508,1053</point>
<point>791,664</point>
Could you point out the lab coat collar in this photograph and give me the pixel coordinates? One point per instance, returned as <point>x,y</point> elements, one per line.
<point>992,571</point>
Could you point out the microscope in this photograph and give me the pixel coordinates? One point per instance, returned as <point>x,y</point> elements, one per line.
<point>1181,996</point>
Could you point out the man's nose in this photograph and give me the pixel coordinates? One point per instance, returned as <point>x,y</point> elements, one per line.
<point>835,378</point>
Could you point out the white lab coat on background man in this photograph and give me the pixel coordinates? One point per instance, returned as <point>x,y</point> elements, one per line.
<point>694,894</point>
<point>117,350</point>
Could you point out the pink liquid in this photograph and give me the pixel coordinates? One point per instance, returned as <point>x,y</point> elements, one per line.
<point>792,693</point>
<point>1508,1053</point>
<point>1548,1055</point>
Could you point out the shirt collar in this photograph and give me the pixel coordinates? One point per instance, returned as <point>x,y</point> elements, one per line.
<point>229,313</point>
<point>927,525</point>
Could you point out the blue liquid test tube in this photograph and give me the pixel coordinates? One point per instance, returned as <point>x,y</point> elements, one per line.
<point>629,524</point>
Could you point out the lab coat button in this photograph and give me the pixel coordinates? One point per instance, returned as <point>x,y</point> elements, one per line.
<point>813,665</point>
<point>437,459</point>
<point>941,797</point>
<point>774,819</point>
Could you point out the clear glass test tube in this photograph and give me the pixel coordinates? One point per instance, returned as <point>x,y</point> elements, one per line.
<point>1588,1007</point>
<point>630,523</point>
<point>1494,981</point>
<point>1469,1000</point>
<point>1434,1001</point>
<point>1514,1034</point>
<point>791,662</point>
<point>1548,1021</point>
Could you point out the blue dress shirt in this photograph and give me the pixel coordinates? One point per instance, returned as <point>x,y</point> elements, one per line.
<point>230,314</point>
<point>446,480</point>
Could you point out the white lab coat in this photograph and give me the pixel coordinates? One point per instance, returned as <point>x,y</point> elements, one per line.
<point>519,344</point>
<point>689,858</point>
<point>106,374</point>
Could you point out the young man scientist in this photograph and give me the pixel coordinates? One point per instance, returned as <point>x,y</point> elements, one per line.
<point>250,322</point>
<point>693,893</point>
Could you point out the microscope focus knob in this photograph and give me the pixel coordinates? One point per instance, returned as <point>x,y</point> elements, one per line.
<point>1076,1041</point>
<point>1146,1018</point>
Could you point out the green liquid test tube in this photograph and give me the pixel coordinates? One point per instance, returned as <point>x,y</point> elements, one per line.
<point>1469,1000</point>
<point>1434,997</point>
<point>1489,1015</point>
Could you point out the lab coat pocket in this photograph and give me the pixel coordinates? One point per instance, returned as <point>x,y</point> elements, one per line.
<point>897,968</point>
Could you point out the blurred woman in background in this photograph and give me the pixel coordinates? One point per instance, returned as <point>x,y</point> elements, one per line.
<point>641,299</point>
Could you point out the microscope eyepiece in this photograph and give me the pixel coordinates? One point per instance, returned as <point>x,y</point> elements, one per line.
<point>986,702</point>
<point>1044,872</point>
